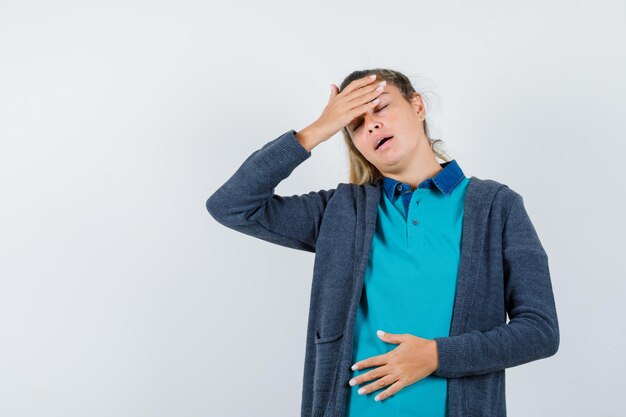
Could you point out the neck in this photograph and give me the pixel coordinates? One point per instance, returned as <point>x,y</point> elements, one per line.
<point>422,166</point>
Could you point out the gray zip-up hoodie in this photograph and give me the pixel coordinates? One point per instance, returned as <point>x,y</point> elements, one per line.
<point>503,269</point>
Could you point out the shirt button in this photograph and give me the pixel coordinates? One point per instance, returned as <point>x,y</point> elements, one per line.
<point>415,221</point>
<point>399,187</point>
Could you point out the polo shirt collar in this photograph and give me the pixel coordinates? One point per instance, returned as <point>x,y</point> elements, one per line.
<point>445,180</point>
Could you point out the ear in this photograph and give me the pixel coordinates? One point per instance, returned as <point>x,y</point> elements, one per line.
<point>416,102</point>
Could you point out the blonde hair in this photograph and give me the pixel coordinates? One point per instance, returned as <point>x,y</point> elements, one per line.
<point>361,170</point>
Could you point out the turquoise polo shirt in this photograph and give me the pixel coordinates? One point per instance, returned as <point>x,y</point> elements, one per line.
<point>410,284</point>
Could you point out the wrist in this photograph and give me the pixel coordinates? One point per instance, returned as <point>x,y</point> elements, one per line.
<point>310,137</point>
<point>435,356</point>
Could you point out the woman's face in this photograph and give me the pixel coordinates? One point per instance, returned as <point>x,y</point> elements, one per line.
<point>393,116</point>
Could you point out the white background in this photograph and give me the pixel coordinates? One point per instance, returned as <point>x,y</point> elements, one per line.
<point>121,296</point>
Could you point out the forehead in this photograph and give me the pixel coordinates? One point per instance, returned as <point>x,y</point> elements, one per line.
<point>391,89</point>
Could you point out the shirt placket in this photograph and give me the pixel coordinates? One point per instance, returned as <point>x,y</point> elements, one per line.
<point>413,210</point>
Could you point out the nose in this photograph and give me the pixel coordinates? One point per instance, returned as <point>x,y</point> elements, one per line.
<point>373,126</point>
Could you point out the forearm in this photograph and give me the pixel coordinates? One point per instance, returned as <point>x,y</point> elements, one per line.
<point>246,202</point>
<point>254,181</point>
<point>505,346</point>
<point>533,331</point>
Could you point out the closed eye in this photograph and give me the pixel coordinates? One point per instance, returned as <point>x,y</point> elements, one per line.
<point>375,111</point>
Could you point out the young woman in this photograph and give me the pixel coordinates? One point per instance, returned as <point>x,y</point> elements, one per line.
<point>416,265</point>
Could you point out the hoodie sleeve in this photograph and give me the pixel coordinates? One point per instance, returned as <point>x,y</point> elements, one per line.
<point>246,201</point>
<point>532,332</point>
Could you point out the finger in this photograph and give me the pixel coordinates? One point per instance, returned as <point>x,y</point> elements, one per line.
<point>366,96</point>
<point>364,90</point>
<point>379,372</point>
<point>378,384</point>
<point>356,84</point>
<point>370,101</point>
<point>334,91</point>
<point>394,388</point>
<point>369,362</point>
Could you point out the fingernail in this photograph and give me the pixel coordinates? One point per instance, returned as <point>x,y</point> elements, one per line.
<point>361,391</point>
<point>352,382</point>
<point>355,367</point>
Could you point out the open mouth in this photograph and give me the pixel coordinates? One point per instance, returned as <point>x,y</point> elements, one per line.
<point>380,142</point>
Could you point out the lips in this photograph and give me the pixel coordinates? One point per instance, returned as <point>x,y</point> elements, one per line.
<point>381,141</point>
